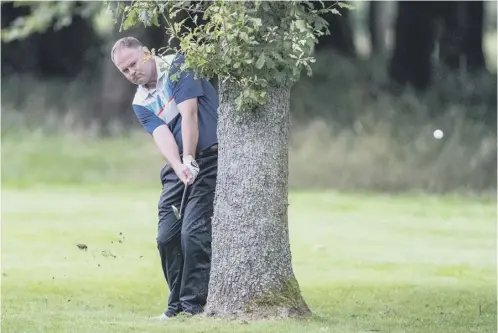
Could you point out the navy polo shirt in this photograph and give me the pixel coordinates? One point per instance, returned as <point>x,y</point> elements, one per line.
<point>156,107</point>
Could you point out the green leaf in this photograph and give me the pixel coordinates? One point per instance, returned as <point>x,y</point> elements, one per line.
<point>301,25</point>
<point>130,19</point>
<point>234,36</point>
<point>345,5</point>
<point>244,37</point>
<point>261,61</point>
<point>270,63</point>
<point>256,22</point>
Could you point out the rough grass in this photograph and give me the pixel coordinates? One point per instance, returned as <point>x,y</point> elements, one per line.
<point>365,263</point>
<point>319,157</point>
<point>79,158</point>
<point>378,158</point>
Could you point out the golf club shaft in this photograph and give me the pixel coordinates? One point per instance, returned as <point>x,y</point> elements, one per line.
<point>183,199</point>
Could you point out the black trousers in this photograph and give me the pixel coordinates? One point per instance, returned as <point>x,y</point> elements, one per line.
<point>185,245</point>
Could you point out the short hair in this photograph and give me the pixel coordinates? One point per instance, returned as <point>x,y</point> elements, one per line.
<point>123,43</point>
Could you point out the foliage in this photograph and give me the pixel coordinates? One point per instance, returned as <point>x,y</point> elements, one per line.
<point>253,44</point>
<point>43,15</point>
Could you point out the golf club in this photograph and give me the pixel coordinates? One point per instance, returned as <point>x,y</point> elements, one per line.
<point>177,213</point>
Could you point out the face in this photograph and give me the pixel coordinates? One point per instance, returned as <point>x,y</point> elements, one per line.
<point>135,64</point>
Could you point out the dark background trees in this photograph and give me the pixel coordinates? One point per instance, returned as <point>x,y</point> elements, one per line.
<point>456,26</point>
<point>449,33</point>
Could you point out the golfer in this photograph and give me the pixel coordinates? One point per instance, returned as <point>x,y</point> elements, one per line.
<point>180,113</point>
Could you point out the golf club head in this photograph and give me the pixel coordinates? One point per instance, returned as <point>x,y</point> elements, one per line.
<point>176,212</point>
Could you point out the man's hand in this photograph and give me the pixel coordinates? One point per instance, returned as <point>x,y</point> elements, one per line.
<point>182,171</point>
<point>192,167</point>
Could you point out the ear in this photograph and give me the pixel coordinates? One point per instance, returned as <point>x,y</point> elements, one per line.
<point>147,54</point>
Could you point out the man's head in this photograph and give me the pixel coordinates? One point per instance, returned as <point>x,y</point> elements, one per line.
<point>133,60</point>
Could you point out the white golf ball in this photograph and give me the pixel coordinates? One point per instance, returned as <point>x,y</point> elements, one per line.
<point>438,134</point>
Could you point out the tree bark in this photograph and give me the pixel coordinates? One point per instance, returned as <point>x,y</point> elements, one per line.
<point>252,273</point>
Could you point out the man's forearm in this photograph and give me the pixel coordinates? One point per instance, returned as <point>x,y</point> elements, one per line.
<point>190,133</point>
<point>166,143</point>
<point>190,128</point>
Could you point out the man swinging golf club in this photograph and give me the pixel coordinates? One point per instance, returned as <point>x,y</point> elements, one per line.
<point>181,116</point>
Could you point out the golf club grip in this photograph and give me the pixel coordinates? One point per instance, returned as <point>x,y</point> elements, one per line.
<point>183,199</point>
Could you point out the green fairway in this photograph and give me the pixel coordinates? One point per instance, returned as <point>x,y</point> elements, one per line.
<point>365,263</point>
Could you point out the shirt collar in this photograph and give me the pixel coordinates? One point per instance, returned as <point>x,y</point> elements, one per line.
<point>162,68</point>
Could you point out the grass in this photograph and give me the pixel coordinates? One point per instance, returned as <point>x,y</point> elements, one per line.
<point>364,262</point>
<point>79,159</point>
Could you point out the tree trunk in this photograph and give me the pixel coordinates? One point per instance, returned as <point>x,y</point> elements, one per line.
<point>376,27</point>
<point>340,38</point>
<point>414,41</point>
<point>450,41</point>
<point>474,26</point>
<point>251,274</point>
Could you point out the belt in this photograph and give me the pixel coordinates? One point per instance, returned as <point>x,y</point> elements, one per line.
<point>208,151</point>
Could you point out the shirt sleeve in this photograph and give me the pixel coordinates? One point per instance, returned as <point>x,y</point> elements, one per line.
<point>184,86</point>
<point>147,118</point>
